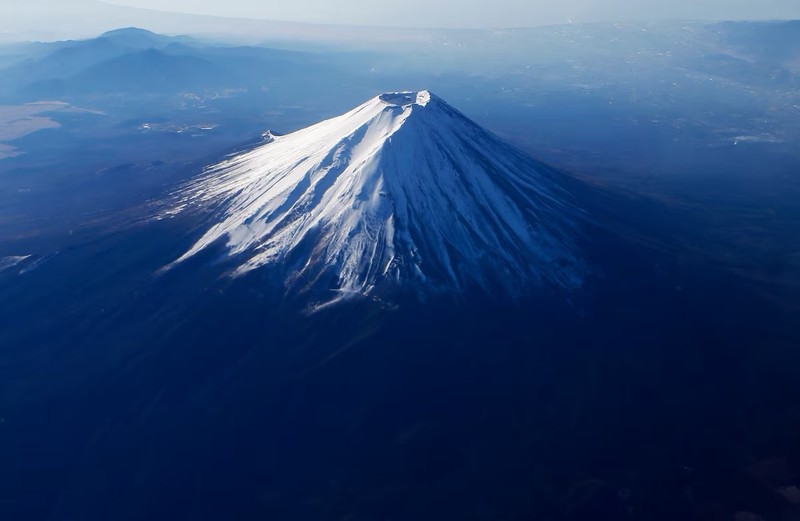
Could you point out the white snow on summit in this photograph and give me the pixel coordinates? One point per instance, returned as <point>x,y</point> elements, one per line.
<point>400,191</point>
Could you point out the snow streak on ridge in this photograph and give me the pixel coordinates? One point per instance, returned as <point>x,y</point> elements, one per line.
<point>402,191</point>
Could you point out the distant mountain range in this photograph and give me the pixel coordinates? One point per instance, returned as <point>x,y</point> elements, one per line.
<point>742,52</point>
<point>135,60</point>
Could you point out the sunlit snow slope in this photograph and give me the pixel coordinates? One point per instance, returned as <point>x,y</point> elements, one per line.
<point>403,191</point>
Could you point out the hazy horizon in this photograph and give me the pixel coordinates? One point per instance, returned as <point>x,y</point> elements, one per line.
<point>247,19</point>
<point>473,14</point>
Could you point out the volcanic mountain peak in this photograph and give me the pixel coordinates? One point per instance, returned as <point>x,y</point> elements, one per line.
<point>403,191</point>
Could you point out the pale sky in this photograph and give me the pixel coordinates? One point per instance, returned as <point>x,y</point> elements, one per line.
<point>478,13</point>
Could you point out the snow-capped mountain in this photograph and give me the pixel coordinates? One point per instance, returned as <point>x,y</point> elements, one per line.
<point>402,191</point>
